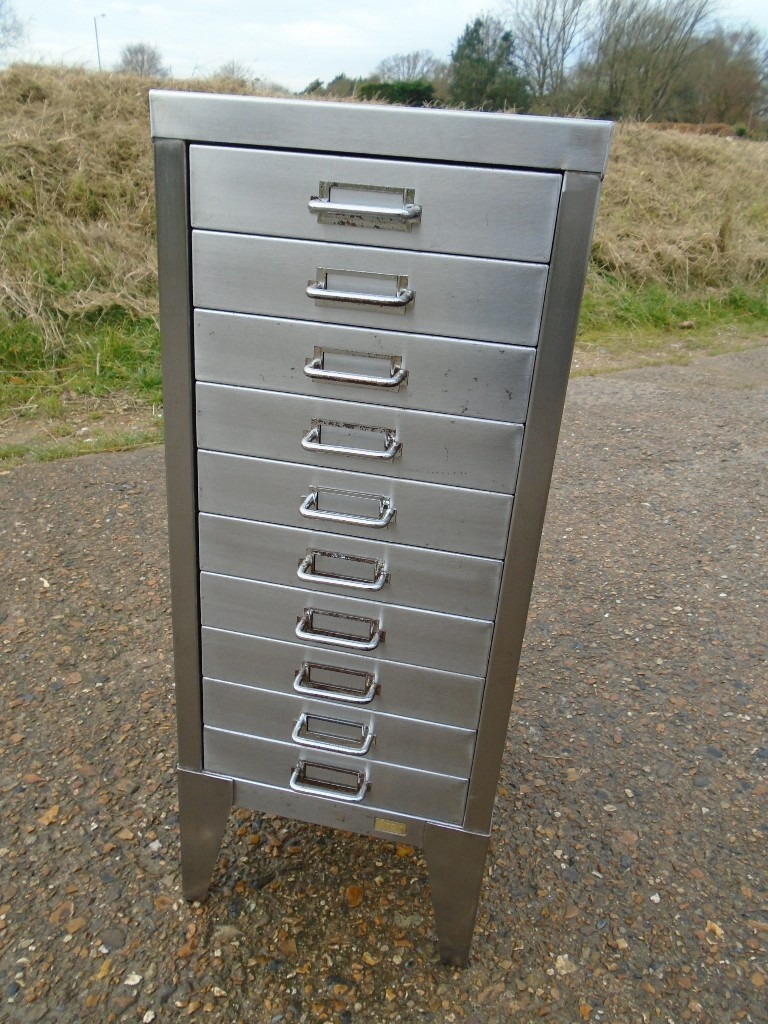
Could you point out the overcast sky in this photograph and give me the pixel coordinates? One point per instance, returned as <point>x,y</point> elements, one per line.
<point>290,42</point>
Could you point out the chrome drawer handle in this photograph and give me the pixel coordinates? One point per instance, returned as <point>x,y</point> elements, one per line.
<point>309,509</point>
<point>311,442</point>
<point>408,212</point>
<point>307,564</point>
<point>308,731</point>
<point>314,369</point>
<point>318,290</point>
<point>336,691</point>
<point>328,786</point>
<point>305,631</point>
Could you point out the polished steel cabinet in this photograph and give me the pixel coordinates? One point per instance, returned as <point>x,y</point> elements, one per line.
<point>366,346</point>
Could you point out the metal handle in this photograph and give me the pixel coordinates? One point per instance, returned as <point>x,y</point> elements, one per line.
<point>303,734</point>
<point>408,212</point>
<point>309,510</point>
<point>340,581</point>
<point>304,631</point>
<point>318,290</point>
<point>326,787</point>
<point>314,369</point>
<point>311,442</point>
<point>303,684</point>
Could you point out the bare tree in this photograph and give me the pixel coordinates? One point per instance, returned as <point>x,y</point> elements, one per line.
<point>547,33</point>
<point>636,54</point>
<point>409,67</point>
<point>762,106</point>
<point>142,59</point>
<point>725,81</point>
<point>234,69</point>
<point>11,29</point>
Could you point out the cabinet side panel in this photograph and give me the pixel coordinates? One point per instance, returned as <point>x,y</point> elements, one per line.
<point>561,313</point>
<point>171,188</point>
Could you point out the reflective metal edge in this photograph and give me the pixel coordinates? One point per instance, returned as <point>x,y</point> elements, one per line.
<point>173,254</point>
<point>466,137</point>
<point>561,312</point>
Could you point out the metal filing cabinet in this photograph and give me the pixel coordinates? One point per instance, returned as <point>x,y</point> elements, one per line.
<point>368,316</point>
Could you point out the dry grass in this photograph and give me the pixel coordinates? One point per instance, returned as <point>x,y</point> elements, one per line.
<point>74,195</point>
<point>683,214</point>
<point>76,202</point>
<point>686,211</point>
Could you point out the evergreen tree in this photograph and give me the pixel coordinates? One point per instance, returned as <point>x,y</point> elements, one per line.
<point>484,74</point>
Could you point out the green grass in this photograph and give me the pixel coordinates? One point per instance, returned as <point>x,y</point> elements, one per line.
<point>113,353</point>
<point>611,306</point>
<point>623,327</point>
<point>52,377</point>
<point>49,449</point>
<point>95,354</point>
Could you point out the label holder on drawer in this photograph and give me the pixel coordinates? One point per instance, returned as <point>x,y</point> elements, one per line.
<point>333,734</point>
<point>313,440</point>
<point>354,687</point>
<point>362,633</point>
<point>313,569</point>
<point>311,508</point>
<point>365,206</point>
<point>338,289</point>
<point>321,367</point>
<point>329,781</point>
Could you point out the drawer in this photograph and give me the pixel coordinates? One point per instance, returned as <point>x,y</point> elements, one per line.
<point>408,636</point>
<point>321,726</point>
<point>461,378</point>
<point>343,679</point>
<point>426,446</point>
<point>453,296</point>
<point>323,562</point>
<point>336,777</point>
<point>355,504</point>
<point>499,213</point>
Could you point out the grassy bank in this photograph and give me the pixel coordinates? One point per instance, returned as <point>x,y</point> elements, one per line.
<point>680,253</point>
<point>682,239</point>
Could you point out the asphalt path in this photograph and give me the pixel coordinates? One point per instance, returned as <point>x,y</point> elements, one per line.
<point>627,875</point>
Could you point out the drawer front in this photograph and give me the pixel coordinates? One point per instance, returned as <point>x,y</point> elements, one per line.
<point>458,451</point>
<point>454,296</point>
<point>498,213</point>
<point>408,636</point>
<point>422,515</point>
<point>388,573</point>
<point>342,680</point>
<point>320,726</point>
<point>460,378</point>
<point>330,776</point>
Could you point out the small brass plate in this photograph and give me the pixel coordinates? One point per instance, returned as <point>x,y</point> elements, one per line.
<point>393,828</point>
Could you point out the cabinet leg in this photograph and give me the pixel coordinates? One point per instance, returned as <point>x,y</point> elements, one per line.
<point>455,861</point>
<point>204,805</point>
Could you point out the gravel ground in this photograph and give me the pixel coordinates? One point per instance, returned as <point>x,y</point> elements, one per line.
<point>627,875</point>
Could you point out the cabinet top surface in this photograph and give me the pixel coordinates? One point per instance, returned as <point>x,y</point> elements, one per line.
<point>369,129</point>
